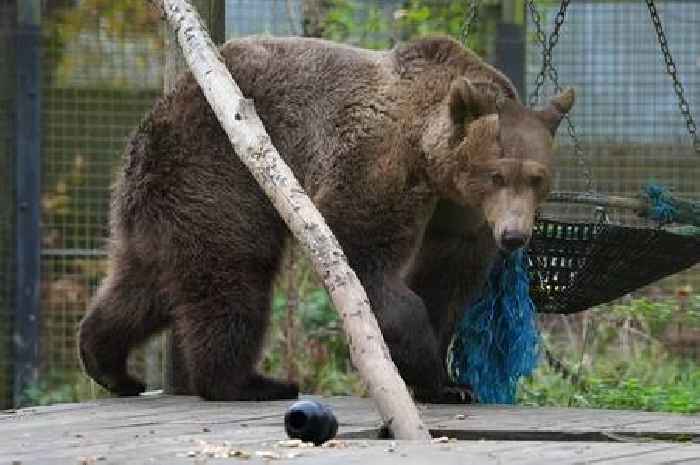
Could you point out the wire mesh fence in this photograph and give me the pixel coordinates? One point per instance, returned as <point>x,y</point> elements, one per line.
<point>102,68</point>
<point>627,112</point>
<point>101,79</point>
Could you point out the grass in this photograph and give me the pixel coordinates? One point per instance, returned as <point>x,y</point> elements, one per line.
<point>651,384</point>
<point>626,356</point>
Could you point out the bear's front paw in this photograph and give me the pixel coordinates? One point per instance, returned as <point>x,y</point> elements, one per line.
<point>263,389</point>
<point>285,391</point>
<point>126,386</point>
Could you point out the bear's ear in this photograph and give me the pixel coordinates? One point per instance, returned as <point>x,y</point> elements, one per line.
<point>560,105</point>
<point>469,100</point>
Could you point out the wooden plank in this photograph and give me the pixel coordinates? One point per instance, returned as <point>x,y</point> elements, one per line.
<point>496,422</point>
<point>189,451</point>
<point>360,415</point>
<point>164,429</point>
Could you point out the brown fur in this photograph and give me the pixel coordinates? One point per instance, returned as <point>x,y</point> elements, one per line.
<point>378,140</point>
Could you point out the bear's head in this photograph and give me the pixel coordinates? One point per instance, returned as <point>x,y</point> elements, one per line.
<point>489,153</point>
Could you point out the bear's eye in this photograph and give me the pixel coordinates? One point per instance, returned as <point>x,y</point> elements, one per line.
<point>498,180</point>
<point>536,181</point>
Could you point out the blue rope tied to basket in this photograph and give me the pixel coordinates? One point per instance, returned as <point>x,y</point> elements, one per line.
<point>496,341</point>
<point>662,209</point>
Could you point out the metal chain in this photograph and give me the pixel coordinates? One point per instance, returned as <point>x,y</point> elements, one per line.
<point>548,70</point>
<point>470,16</point>
<point>673,73</point>
<point>547,46</point>
<point>542,39</point>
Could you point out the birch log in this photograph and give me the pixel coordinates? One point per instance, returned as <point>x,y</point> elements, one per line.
<point>253,145</point>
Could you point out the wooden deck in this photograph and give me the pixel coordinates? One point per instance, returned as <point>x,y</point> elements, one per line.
<point>184,430</point>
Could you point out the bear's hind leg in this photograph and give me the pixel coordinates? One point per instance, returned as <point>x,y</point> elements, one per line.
<point>222,337</point>
<point>122,315</point>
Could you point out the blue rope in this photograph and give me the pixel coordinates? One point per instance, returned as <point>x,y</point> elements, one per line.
<point>662,209</point>
<point>496,342</point>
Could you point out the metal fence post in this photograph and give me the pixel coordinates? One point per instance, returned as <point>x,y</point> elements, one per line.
<point>510,44</point>
<point>25,334</point>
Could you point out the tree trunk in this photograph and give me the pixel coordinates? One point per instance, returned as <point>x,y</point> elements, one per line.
<point>254,147</point>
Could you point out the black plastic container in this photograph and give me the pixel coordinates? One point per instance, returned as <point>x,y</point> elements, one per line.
<point>310,421</point>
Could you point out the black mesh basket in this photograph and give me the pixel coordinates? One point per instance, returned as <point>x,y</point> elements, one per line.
<point>575,266</point>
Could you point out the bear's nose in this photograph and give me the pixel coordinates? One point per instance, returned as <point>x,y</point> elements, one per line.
<point>511,240</point>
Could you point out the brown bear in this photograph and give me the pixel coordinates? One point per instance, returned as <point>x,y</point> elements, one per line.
<point>422,160</point>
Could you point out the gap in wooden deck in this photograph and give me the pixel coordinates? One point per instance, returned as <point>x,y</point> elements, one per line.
<point>581,436</point>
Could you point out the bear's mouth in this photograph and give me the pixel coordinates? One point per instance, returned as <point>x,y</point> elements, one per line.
<point>509,241</point>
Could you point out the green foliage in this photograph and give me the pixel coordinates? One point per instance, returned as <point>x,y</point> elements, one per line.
<point>368,25</point>
<point>61,386</point>
<point>80,39</point>
<point>654,316</point>
<point>627,362</point>
<point>362,24</point>
<point>117,19</point>
<point>320,359</point>
<point>679,397</point>
<point>652,384</point>
<point>421,18</point>
<point>649,317</point>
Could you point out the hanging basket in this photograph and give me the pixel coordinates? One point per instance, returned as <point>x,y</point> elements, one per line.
<point>575,266</point>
